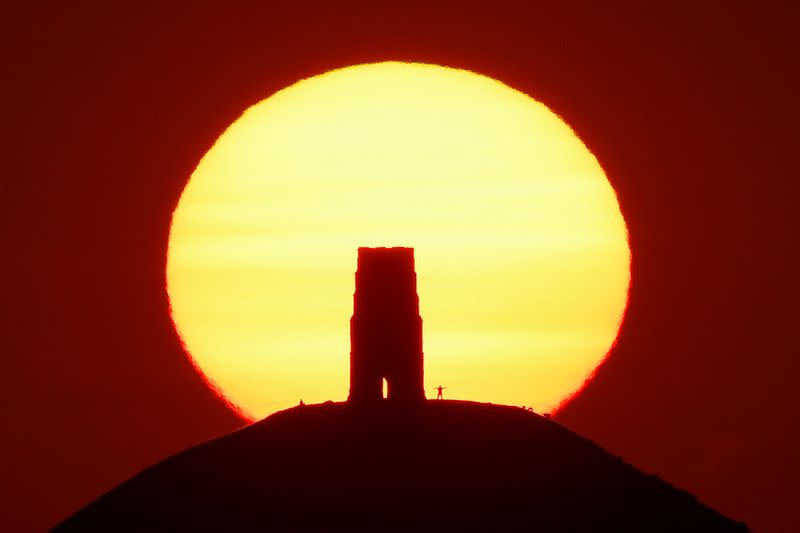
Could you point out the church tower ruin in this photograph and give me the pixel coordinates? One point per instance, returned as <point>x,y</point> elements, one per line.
<point>386,329</point>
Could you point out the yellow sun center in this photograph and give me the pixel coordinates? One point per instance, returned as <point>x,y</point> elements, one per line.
<point>521,251</point>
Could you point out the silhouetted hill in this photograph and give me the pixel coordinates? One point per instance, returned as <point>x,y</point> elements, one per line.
<point>443,465</point>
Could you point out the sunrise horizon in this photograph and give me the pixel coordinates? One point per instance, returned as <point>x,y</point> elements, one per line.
<point>396,266</point>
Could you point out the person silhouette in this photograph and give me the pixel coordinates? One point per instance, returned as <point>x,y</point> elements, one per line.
<point>439,389</point>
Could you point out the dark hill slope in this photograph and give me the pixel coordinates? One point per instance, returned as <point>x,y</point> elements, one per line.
<point>442,465</point>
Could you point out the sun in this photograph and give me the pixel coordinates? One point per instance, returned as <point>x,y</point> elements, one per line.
<point>521,250</point>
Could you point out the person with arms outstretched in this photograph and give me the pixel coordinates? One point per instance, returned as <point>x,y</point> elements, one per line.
<point>439,389</point>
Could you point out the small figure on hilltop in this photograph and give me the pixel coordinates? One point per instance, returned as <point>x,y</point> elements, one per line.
<point>439,390</point>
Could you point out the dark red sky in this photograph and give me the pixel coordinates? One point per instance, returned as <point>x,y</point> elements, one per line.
<point>692,112</point>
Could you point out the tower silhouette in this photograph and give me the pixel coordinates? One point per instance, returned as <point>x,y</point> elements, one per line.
<point>386,329</point>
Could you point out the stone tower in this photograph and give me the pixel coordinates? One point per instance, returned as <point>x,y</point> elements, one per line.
<point>386,329</point>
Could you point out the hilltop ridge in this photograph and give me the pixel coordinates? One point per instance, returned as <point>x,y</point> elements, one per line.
<point>435,465</point>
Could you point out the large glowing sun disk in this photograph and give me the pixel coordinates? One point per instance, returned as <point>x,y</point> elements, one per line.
<point>521,251</point>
